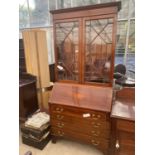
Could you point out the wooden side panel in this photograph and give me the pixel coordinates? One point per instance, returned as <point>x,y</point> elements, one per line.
<point>128,126</point>
<point>36,54</point>
<point>30,49</point>
<point>43,59</point>
<point>45,98</point>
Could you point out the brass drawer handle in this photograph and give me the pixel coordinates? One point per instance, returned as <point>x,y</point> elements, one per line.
<point>95,142</point>
<point>58,109</point>
<point>61,133</point>
<point>59,117</point>
<point>96,117</point>
<point>96,125</point>
<point>60,125</point>
<point>95,133</point>
<point>117,144</point>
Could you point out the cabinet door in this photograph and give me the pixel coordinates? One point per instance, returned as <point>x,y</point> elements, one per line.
<point>99,50</point>
<point>67,50</point>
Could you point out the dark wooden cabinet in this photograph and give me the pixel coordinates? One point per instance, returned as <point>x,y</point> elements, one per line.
<point>81,113</point>
<point>123,123</point>
<point>80,101</point>
<point>28,102</point>
<point>22,64</point>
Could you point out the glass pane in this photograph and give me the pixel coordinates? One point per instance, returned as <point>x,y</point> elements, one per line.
<point>63,4</point>
<point>132,8</point>
<point>60,4</point>
<point>74,3</point>
<point>98,50</point>
<point>52,4</point>
<point>79,3</point>
<point>121,41</point>
<point>23,14</point>
<point>123,13</point>
<point>67,4</point>
<point>39,14</point>
<point>106,1</point>
<point>88,2</point>
<point>131,47</point>
<point>67,45</point>
<point>20,34</point>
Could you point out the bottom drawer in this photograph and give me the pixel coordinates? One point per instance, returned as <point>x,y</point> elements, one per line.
<point>126,138</point>
<point>100,143</point>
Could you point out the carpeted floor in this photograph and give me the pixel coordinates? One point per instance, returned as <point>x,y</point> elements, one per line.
<point>62,147</point>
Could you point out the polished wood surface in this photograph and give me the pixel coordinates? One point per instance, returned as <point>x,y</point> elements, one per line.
<point>96,115</point>
<point>123,123</point>
<point>74,105</point>
<point>124,105</point>
<point>90,97</point>
<point>95,127</point>
<point>86,128</point>
<point>69,134</point>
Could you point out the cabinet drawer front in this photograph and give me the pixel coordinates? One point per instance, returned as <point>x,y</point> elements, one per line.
<point>125,125</point>
<point>78,112</point>
<point>81,121</point>
<point>98,142</point>
<point>82,128</point>
<point>127,138</point>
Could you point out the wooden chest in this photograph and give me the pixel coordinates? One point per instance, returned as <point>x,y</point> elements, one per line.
<point>81,113</point>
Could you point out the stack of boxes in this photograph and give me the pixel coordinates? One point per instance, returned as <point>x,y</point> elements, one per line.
<point>36,130</point>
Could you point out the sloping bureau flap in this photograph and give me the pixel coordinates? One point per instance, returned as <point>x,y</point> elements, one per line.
<point>76,95</point>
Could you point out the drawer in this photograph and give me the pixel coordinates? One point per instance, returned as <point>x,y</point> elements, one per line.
<point>125,125</point>
<point>79,112</point>
<point>126,138</point>
<point>83,128</point>
<point>78,121</point>
<point>98,142</point>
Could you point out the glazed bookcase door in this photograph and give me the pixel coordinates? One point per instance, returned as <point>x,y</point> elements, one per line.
<point>98,49</point>
<point>67,50</point>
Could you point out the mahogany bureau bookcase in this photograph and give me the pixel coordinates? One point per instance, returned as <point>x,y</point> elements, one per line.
<point>81,99</point>
<point>82,113</point>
